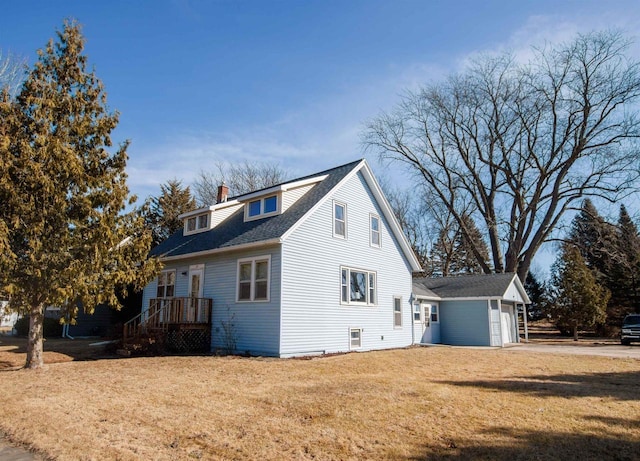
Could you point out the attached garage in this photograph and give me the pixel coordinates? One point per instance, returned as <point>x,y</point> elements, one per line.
<point>478,310</point>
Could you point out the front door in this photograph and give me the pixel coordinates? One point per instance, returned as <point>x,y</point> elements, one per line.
<point>193,309</point>
<point>427,336</point>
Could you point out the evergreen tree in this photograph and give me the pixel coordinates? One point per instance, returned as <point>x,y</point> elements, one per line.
<point>595,239</point>
<point>468,242</point>
<point>536,292</point>
<point>454,252</point>
<point>66,239</point>
<point>625,274</point>
<point>576,299</point>
<point>162,211</point>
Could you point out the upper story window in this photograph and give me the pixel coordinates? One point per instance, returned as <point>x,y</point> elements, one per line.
<point>357,287</point>
<point>197,223</point>
<point>166,284</point>
<point>262,207</point>
<point>339,220</point>
<point>253,279</point>
<point>374,230</point>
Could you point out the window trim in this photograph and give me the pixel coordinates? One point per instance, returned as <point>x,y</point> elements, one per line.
<point>164,274</point>
<point>397,301</point>
<point>373,216</point>
<point>333,220</point>
<point>369,291</point>
<point>351,346</point>
<point>252,281</point>
<point>261,213</point>
<point>198,224</point>
<point>437,320</point>
<point>419,312</point>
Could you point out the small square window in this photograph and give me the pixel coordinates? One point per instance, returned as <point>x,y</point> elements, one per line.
<point>270,204</point>
<point>203,221</point>
<point>254,208</point>
<point>191,224</point>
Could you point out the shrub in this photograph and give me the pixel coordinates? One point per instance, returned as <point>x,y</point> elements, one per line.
<point>52,327</point>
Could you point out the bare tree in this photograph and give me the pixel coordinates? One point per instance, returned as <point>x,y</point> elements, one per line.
<point>522,143</point>
<point>12,72</point>
<point>241,178</point>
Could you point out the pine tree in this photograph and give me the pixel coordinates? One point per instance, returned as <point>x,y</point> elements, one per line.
<point>625,274</point>
<point>467,238</point>
<point>576,299</point>
<point>66,238</point>
<point>536,292</point>
<point>595,239</point>
<point>163,211</point>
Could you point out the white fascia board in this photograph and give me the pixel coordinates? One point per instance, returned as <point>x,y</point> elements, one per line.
<point>391,218</point>
<point>245,246</point>
<point>472,298</point>
<point>319,203</point>
<point>520,288</point>
<point>281,188</point>
<point>217,206</point>
<point>427,298</point>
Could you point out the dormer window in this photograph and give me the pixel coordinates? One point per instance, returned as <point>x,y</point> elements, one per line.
<point>262,207</point>
<point>197,223</point>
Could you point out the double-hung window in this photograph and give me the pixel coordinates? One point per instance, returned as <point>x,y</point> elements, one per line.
<point>397,312</point>
<point>253,279</point>
<point>357,286</point>
<point>339,220</point>
<point>355,338</point>
<point>417,312</point>
<point>374,230</point>
<point>166,284</point>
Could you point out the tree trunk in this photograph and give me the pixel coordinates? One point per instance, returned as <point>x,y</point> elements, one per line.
<point>35,358</point>
<point>575,332</point>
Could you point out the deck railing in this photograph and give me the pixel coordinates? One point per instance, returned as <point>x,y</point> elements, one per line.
<point>164,312</point>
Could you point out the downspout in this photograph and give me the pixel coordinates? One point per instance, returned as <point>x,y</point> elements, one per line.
<point>413,324</point>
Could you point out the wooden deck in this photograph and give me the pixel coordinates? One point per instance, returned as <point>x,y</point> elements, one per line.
<point>183,324</point>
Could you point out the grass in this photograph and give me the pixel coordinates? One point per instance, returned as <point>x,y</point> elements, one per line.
<point>416,403</point>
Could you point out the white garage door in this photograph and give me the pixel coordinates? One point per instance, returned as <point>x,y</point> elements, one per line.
<point>507,324</point>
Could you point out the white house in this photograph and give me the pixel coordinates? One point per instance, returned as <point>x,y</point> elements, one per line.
<point>314,265</point>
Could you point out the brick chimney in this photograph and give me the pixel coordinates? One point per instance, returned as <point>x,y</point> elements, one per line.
<point>223,192</point>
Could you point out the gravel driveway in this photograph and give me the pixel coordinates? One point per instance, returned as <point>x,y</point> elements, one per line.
<point>604,350</point>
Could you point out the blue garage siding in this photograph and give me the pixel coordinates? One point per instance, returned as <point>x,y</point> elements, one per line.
<point>464,323</point>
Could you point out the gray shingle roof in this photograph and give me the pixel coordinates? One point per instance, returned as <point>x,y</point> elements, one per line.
<point>470,286</point>
<point>235,231</point>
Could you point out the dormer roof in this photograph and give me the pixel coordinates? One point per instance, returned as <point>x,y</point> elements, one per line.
<point>235,232</point>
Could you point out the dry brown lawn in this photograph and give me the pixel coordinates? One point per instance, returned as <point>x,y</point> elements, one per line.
<point>417,403</point>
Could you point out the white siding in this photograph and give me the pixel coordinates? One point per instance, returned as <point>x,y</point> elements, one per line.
<point>313,319</point>
<point>513,294</point>
<point>256,324</point>
<point>221,214</point>
<point>291,196</point>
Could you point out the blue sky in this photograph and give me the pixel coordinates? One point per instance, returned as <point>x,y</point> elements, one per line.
<point>286,81</point>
